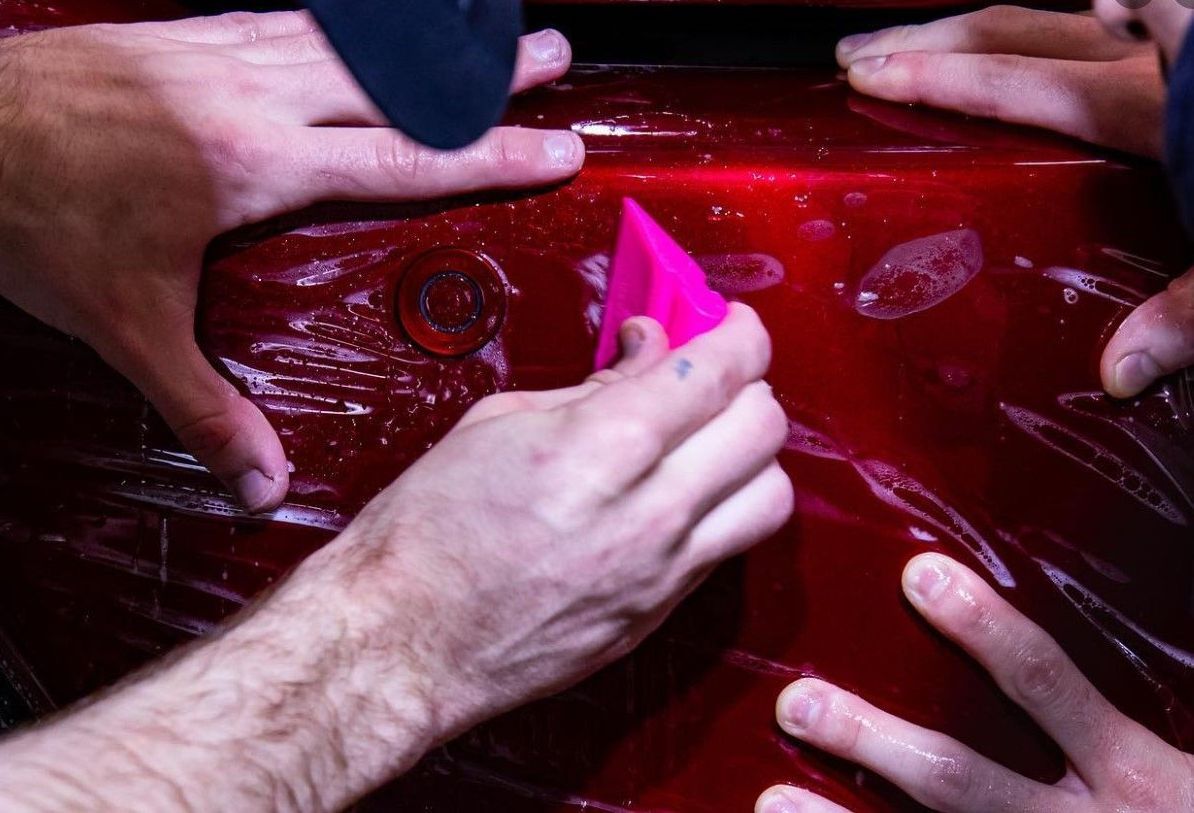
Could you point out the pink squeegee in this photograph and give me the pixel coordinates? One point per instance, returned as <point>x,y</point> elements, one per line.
<point>653,276</point>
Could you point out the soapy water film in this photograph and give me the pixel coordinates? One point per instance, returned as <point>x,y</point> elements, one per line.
<point>910,278</point>
<point>920,274</point>
<point>896,488</point>
<point>339,362</point>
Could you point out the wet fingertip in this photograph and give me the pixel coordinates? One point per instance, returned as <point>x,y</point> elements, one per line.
<point>848,45</point>
<point>564,150</point>
<point>926,578</point>
<point>256,490</point>
<point>778,799</point>
<point>632,336</point>
<point>800,705</point>
<point>1132,374</point>
<point>868,66</point>
<point>547,46</point>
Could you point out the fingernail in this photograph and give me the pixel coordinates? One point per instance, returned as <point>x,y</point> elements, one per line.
<point>801,708</point>
<point>633,337</point>
<point>778,803</point>
<point>1136,371</point>
<point>868,66</point>
<point>852,43</point>
<point>562,149</point>
<point>253,489</point>
<point>928,579</point>
<point>546,46</point>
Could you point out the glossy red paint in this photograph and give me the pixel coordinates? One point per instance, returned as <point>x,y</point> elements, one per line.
<point>937,290</point>
<point>18,16</point>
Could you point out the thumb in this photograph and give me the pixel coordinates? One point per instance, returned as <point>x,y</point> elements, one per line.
<point>222,428</point>
<point>1155,340</point>
<point>643,342</point>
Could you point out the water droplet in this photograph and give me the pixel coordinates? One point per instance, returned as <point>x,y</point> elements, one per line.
<point>815,230</point>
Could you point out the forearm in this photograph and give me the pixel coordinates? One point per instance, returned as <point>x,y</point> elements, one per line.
<point>270,715</point>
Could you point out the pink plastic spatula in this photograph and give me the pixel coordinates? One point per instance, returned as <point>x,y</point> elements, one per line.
<point>653,276</point>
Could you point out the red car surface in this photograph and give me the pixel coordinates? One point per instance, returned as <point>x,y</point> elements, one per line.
<point>937,289</point>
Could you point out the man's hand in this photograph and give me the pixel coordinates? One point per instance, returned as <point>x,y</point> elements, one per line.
<point>550,532</point>
<point>1062,72</point>
<point>1155,340</point>
<point>1047,69</point>
<point>125,149</point>
<point>1115,764</point>
<point>544,537</point>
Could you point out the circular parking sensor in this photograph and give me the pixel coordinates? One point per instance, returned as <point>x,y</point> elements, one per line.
<point>451,301</point>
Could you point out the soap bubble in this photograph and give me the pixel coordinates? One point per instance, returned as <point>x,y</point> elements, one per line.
<point>741,273</point>
<point>919,274</point>
<point>815,230</point>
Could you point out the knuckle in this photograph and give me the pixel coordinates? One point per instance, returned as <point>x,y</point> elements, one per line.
<point>773,421</point>
<point>900,35</point>
<point>552,512</point>
<point>990,20</point>
<point>1000,79</point>
<point>246,24</point>
<point>642,597</point>
<point>664,526</point>
<point>627,436</point>
<point>782,501</point>
<point>233,149</point>
<point>841,727</point>
<point>309,47</point>
<point>725,382</point>
<point>1039,677</point>
<point>493,405</point>
<point>400,160</point>
<point>607,376</point>
<point>207,435</point>
<point>948,780</point>
<point>970,618</point>
<point>908,77</point>
<point>1138,790</point>
<point>505,150</point>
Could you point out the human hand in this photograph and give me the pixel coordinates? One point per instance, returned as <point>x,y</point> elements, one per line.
<point>549,532</point>
<point>1062,72</point>
<point>1154,340</point>
<point>1114,764</point>
<point>126,149</point>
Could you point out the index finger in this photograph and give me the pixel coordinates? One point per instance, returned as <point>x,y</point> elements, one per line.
<point>1025,661</point>
<point>303,165</point>
<point>232,27</point>
<point>679,394</point>
<point>994,30</point>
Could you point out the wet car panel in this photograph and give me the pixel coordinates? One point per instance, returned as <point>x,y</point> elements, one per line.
<point>937,290</point>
